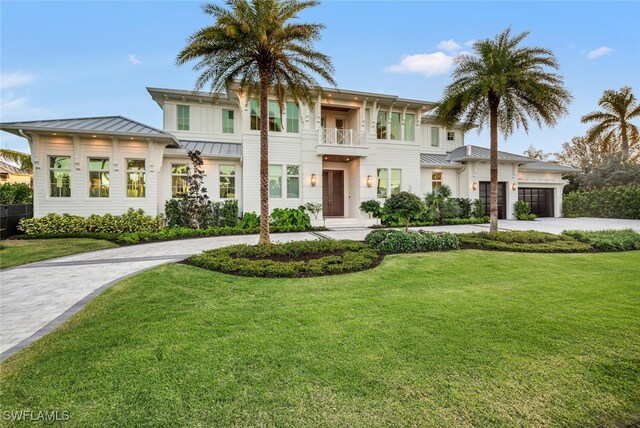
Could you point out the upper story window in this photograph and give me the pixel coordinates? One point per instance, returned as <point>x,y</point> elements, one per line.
<point>227,122</point>
<point>98,177</point>
<point>275,118</point>
<point>381,125</point>
<point>395,126</point>
<point>136,178</point>
<point>255,115</point>
<point>227,181</point>
<point>60,176</point>
<point>179,180</point>
<point>409,127</point>
<point>451,136</point>
<point>435,136</point>
<point>183,118</point>
<point>436,180</point>
<point>292,117</point>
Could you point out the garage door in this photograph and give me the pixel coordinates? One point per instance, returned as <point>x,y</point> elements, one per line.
<point>540,200</point>
<point>485,197</point>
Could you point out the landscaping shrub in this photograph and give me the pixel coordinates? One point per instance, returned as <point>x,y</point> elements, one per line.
<point>522,210</point>
<point>250,220</point>
<point>291,218</point>
<point>523,241</point>
<point>466,206</point>
<point>397,241</point>
<point>228,213</point>
<point>65,224</point>
<point>611,202</point>
<point>371,207</point>
<point>477,209</point>
<point>608,240</point>
<point>293,259</point>
<point>404,207</point>
<point>15,193</point>
<point>471,220</point>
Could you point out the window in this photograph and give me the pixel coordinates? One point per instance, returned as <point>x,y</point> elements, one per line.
<point>60,176</point>
<point>135,178</point>
<point>275,118</point>
<point>396,181</point>
<point>395,126</point>
<point>381,125</point>
<point>98,177</point>
<point>179,180</point>
<point>436,180</point>
<point>275,181</point>
<point>409,127</point>
<point>435,136</point>
<point>292,117</point>
<point>4,176</point>
<point>255,115</point>
<point>383,183</point>
<point>451,136</point>
<point>227,181</point>
<point>293,181</point>
<point>227,122</point>
<point>183,118</point>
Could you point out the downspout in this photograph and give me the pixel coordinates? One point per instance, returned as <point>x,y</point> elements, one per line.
<point>464,167</point>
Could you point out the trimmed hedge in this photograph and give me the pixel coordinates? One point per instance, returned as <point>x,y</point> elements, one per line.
<point>471,220</point>
<point>523,241</point>
<point>293,259</point>
<point>398,241</point>
<point>608,240</point>
<point>611,202</point>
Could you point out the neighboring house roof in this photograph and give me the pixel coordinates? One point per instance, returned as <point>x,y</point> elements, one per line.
<point>11,169</point>
<point>212,148</point>
<point>104,125</point>
<point>475,153</point>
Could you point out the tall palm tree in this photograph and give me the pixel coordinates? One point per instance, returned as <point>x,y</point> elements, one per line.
<point>258,44</point>
<point>614,123</point>
<point>505,85</point>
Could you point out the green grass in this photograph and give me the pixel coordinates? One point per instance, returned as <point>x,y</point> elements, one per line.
<point>19,252</point>
<point>462,338</point>
<point>608,240</point>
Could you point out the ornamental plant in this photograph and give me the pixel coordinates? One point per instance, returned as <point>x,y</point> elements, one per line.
<point>404,206</point>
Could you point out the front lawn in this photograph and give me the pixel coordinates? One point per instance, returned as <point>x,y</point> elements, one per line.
<point>461,338</point>
<point>19,252</point>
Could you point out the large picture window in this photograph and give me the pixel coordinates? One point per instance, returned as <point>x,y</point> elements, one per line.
<point>381,125</point>
<point>292,117</point>
<point>293,181</point>
<point>395,126</point>
<point>275,181</point>
<point>98,177</point>
<point>227,122</point>
<point>409,127</point>
<point>183,118</point>
<point>136,178</point>
<point>179,180</point>
<point>60,176</point>
<point>227,181</point>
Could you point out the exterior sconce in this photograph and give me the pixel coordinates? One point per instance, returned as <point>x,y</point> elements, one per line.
<point>475,185</point>
<point>514,186</point>
<point>369,180</point>
<point>313,180</point>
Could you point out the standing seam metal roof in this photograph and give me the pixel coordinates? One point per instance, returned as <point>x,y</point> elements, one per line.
<point>102,124</point>
<point>212,148</point>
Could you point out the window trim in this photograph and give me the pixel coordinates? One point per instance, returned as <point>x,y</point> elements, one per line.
<point>234,175</point>
<point>289,117</point>
<point>233,121</point>
<point>126,176</point>
<point>178,109</point>
<point>49,195</point>
<point>108,171</point>
<point>437,129</point>
<point>389,178</point>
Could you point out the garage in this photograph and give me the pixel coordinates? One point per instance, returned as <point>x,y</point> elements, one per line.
<point>540,200</point>
<point>485,197</point>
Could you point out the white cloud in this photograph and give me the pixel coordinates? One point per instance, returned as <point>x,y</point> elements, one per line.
<point>18,107</point>
<point>15,79</point>
<point>449,45</point>
<point>469,43</point>
<point>603,50</point>
<point>428,64</point>
<point>133,60</point>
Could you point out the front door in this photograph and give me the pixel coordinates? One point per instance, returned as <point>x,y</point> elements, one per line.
<point>333,193</point>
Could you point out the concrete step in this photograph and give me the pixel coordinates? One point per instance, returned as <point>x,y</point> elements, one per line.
<point>347,223</point>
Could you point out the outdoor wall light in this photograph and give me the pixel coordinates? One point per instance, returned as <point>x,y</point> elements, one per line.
<point>475,185</point>
<point>514,186</point>
<point>369,181</point>
<point>313,180</point>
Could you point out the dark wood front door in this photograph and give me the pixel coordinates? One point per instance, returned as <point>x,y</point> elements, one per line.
<point>333,193</point>
<point>485,197</point>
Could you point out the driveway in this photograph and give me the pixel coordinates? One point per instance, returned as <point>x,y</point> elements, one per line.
<point>36,298</point>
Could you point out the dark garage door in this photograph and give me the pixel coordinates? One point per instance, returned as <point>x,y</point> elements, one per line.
<point>540,200</point>
<point>485,196</point>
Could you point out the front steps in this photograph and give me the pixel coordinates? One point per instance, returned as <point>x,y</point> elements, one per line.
<point>333,223</point>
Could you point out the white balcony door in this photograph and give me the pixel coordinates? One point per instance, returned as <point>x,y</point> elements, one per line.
<point>340,121</point>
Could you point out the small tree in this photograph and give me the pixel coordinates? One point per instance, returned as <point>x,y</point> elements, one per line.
<point>371,207</point>
<point>404,205</point>
<point>314,208</point>
<point>198,206</point>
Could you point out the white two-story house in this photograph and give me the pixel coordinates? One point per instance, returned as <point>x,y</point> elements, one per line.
<point>344,148</point>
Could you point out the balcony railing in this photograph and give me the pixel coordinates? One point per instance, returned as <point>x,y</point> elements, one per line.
<point>342,137</point>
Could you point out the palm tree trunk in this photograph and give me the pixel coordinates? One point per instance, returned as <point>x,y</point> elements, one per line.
<point>493,198</point>
<point>264,160</point>
<point>625,142</point>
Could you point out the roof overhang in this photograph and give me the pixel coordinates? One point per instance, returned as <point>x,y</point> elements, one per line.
<point>161,95</point>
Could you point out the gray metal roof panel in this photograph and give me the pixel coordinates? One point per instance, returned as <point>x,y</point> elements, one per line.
<point>480,153</point>
<point>548,166</point>
<point>433,159</point>
<point>213,148</point>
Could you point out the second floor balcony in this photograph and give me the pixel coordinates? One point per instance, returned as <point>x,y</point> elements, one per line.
<point>342,137</point>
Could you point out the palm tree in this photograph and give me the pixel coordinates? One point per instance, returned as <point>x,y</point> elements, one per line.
<point>256,44</point>
<point>614,123</point>
<point>22,159</point>
<point>505,85</point>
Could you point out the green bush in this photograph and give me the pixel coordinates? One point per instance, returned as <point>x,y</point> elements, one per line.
<point>54,224</point>
<point>523,241</point>
<point>608,240</point>
<point>477,209</point>
<point>250,220</point>
<point>228,213</point>
<point>15,193</point>
<point>296,219</point>
<point>522,209</point>
<point>404,207</point>
<point>397,241</point>
<point>371,207</point>
<point>293,259</point>
<point>611,202</point>
<point>471,220</point>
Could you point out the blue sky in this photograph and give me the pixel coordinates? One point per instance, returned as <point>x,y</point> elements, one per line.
<point>78,59</point>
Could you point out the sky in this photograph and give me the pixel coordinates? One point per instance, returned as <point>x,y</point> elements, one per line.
<point>80,59</point>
